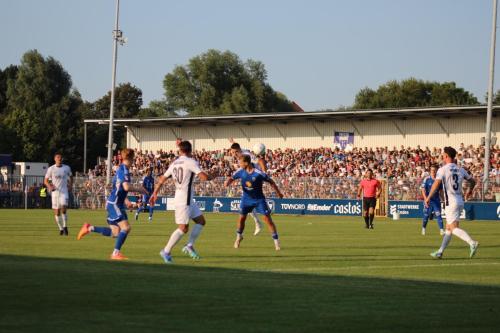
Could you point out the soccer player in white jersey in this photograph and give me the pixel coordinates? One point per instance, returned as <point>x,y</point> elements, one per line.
<point>183,170</point>
<point>58,180</point>
<point>450,177</point>
<point>260,164</point>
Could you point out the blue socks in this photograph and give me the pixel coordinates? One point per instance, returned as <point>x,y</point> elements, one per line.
<point>150,211</point>
<point>105,231</point>
<point>275,235</point>
<point>122,236</point>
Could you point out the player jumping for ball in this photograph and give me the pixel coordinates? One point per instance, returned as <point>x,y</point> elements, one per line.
<point>259,163</point>
<point>253,198</point>
<point>450,176</point>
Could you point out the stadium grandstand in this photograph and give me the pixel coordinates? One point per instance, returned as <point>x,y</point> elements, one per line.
<point>432,127</point>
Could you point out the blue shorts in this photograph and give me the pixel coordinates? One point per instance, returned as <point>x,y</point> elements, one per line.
<point>260,206</point>
<point>435,207</point>
<point>115,214</point>
<point>145,199</point>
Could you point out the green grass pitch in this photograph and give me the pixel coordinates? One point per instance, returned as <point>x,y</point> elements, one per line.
<point>332,275</point>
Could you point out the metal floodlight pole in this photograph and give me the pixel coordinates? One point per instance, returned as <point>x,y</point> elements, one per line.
<point>487,136</point>
<point>117,35</point>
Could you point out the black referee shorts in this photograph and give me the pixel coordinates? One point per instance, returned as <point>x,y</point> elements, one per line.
<point>369,203</point>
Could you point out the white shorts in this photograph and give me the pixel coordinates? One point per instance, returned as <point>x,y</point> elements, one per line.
<point>59,199</point>
<point>453,212</point>
<point>184,213</point>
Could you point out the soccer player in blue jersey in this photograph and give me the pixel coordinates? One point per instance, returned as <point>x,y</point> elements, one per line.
<point>119,227</point>
<point>252,180</point>
<point>434,206</point>
<point>259,163</point>
<point>148,183</point>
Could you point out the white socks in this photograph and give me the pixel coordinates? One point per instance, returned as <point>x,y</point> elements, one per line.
<point>65,220</point>
<point>255,218</point>
<point>59,222</point>
<point>446,241</point>
<point>463,235</point>
<point>460,233</point>
<point>174,239</point>
<point>194,234</point>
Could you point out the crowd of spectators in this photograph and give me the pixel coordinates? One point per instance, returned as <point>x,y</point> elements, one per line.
<point>327,172</point>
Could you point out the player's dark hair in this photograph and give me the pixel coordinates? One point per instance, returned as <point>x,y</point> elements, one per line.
<point>236,146</point>
<point>57,153</point>
<point>435,166</point>
<point>185,147</point>
<point>246,158</point>
<point>450,151</point>
<point>369,170</point>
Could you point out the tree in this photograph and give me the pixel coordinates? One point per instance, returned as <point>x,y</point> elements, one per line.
<point>413,93</point>
<point>157,108</point>
<point>128,103</point>
<point>218,82</point>
<point>8,74</point>
<point>33,100</point>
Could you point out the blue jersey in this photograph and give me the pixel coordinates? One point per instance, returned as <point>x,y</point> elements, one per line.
<point>148,182</point>
<point>427,185</point>
<point>118,194</point>
<point>252,183</point>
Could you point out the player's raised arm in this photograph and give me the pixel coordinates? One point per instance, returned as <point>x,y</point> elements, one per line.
<point>262,164</point>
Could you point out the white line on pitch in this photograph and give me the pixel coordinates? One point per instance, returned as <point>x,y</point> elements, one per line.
<point>372,267</point>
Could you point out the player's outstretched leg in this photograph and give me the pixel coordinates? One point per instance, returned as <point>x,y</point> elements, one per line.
<point>195,233</point>
<point>174,239</point>
<point>463,235</point>
<point>239,231</point>
<point>258,223</point>
<point>273,230</point>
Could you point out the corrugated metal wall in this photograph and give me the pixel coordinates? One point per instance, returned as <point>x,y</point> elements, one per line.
<point>368,133</point>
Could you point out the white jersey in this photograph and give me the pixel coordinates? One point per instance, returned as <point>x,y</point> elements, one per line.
<point>183,170</point>
<point>451,177</point>
<point>59,177</point>
<point>254,159</point>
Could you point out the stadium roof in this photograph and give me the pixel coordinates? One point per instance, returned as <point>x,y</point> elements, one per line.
<point>428,112</point>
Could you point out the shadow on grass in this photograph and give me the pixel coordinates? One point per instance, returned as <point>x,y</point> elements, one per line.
<point>64,295</point>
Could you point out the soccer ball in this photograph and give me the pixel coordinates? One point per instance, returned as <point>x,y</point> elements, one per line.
<point>259,149</point>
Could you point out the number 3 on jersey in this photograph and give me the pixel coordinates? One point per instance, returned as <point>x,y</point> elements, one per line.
<point>178,174</point>
<point>455,182</point>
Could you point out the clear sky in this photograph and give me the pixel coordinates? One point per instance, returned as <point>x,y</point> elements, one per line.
<point>318,52</point>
